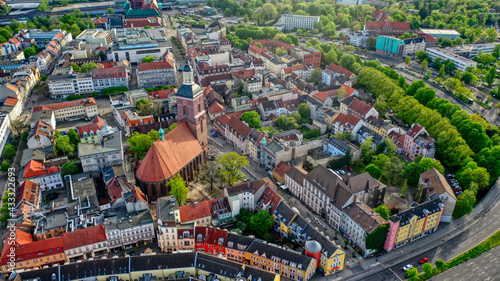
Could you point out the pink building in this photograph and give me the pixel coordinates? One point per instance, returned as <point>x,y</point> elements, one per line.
<point>417,141</point>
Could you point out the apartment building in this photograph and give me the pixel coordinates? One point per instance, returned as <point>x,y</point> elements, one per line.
<point>392,46</point>
<point>358,108</point>
<point>85,242</point>
<point>417,141</point>
<point>64,82</point>
<point>241,104</point>
<point>84,108</point>
<point>47,177</point>
<point>460,62</point>
<point>337,75</point>
<point>417,222</point>
<point>155,74</point>
<point>295,21</point>
<point>167,214</point>
<point>433,182</point>
<point>103,38</point>
<point>273,63</point>
<point>245,195</point>
<point>358,221</point>
<point>134,44</point>
<point>103,78</point>
<point>40,135</point>
<point>343,123</point>
<point>109,153</point>
<point>308,55</point>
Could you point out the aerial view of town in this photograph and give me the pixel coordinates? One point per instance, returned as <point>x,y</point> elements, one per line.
<point>249,140</point>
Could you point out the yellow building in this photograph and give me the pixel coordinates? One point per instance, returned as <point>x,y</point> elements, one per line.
<point>255,140</point>
<point>412,224</point>
<point>283,216</point>
<point>84,108</point>
<point>287,263</point>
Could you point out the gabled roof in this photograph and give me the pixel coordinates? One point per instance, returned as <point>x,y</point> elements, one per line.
<point>216,108</point>
<point>338,69</point>
<point>345,119</point>
<point>36,249</point>
<point>362,182</point>
<point>260,248</point>
<point>360,106</point>
<point>420,211</point>
<point>252,186</point>
<point>330,184</point>
<point>28,192</point>
<point>437,182</point>
<point>364,216</point>
<point>85,236</point>
<point>195,211</point>
<point>154,65</point>
<point>165,158</point>
<point>238,128</point>
<point>68,104</point>
<point>35,168</point>
<point>296,174</point>
<point>281,169</point>
<point>270,198</point>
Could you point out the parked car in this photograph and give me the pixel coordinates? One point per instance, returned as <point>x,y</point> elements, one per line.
<point>423,260</point>
<point>406,267</point>
<point>349,169</point>
<point>342,172</point>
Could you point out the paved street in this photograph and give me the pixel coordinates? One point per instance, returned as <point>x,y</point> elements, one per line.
<point>484,267</point>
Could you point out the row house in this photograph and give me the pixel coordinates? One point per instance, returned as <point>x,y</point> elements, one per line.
<point>155,74</point>
<point>108,153</point>
<point>364,133</point>
<point>335,74</point>
<point>328,96</point>
<point>246,195</point>
<point>110,77</point>
<point>279,172</point>
<point>11,98</point>
<point>205,70</point>
<point>129,119</point>
<point>129,229</point>
<point>255,142</point>
<point>38,172</point>
<point>211,240</point>
<point>241,104</point>
<point>412,224</point>
<point>85,242</point>
<point>302,71</point>
<point>273,63</point>
<point>40,135</point>
<point>343,123</point>
<point>28,199</point>
<point>92,133</point>
<point>44,61</point>
<point>237,132</point>
<point>358,108</point>
<point>433,182</point>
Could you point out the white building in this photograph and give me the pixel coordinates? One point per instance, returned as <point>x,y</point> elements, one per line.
<point>294,21</point>
<point>134,44</point>
<point>95,157</point>
<point>84,108</point>
<point>4,131</point>
<point>64,82</point>
<point>245,195</point>
<point>460,62</point>
<point>47,177</point>
<point>40,135</point>
<point>129,229</point>
<point>85,242</point>
<point>352,2</point>
<point>167,213</point>
<point>103,78</point>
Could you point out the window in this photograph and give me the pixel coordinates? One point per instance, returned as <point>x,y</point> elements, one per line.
<point>185,110</point>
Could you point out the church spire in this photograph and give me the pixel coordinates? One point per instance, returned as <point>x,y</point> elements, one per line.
<point>187,74</point>
<point>162,133</point>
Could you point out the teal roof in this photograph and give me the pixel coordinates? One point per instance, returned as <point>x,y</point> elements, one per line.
<point>142,13</point>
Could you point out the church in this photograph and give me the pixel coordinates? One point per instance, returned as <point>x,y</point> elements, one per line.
<point>181,150</point>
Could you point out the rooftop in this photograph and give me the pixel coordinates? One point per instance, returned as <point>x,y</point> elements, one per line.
<point>364,216</point>
<point>67,104</point>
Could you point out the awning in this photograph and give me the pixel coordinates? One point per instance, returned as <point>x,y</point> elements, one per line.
<point>284,187</point>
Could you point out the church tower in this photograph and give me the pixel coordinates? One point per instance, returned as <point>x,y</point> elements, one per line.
<point>191,106</point>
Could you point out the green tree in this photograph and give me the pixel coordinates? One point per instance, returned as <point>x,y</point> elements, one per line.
<point>316,75</point>
<point>376,239</point>
<point>425,95</point>
<point>346,61</point>
<point>5,166</point>
<point>404,187</point>
<point>424,66</point>
<point>284,122</point>
<point>428,269</point>
<point>209,173</point>
<point>252,118</point>
<point>64,146</point>
<point>383,211</point>
<point>171,127</point>
<point>231,165</point>
<point>465,204</point>
<point>43,77</point>
<point>371,42</point>
<point>25,136</point>
<point>7,206</point>
<point>74,138</point>
<point>402,82</point>
<point>144,107</point>
<point>439,264</point>
<point>407,61</point>
<point>412,272</point>
<point>414,86</point>
<point>110,11</point>
<point>140,143</point>
<point>280,52</point>
<point>304,112</point>
<point>148,58</point>
<point>44,6</point>
<point>441,71</point>
<point>421,56</point>
<point>69,168</point>
<point>178,189</point>
<point>472,174</point>
<point>9,152</point>
<point>261,223</point>
<point>374,171</point>
<point>490,77</point>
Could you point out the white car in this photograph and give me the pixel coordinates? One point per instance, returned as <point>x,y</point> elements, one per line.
<point>408,266</point>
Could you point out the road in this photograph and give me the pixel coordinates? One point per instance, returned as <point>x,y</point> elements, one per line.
<point>450,240</point>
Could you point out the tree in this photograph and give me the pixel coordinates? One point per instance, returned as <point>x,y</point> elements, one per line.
<point>458,75</point>
<point>64,146</point>
<point>421,56</point>
<point>441,71</point>
<point>439,264</point>
<point>383,211</point>
<point>144,107</point>
<point>246,19</point>
<point>44,6</point>
<point>261,223</point>
<point>376,239</point>
<point>9,152</point>
<point>412,272</point>
<point>171,127</point>
<point>371,42</point>
<point>87,67</point>
<point>346,61</point>
<point>490,77</point>
<point>304,111</point>
<point>425,95</point>
<point>43,77</point>
<point>148,58</point>
<point>316,75</point>
<point>452,84</point>
<point>252,118</point>
<point>7,206</point>
<point>407,61</point>
<point>413,88</point>
<point>465,204</point>
<point>209,172</point>
<point>402,82</point>
<point>18,126</point>
<point>231,165</point>
<point>471,174</point>
<point>280,52</point>
<point>424,66</point>
<point>69,168</point>
<point>110,11</point>
<point>5,166</point>
<point>427,268</point>
<point>404,187</point>
<point>140,143</point>
<point>343,136</point>
<point>374,171</point>
<point>178,189</point>
<point>74,138</point>
<point>284,122</point>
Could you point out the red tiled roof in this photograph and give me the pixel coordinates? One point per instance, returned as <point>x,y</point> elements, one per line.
<point>360,106</point>
<point>321,96</point>
<point>14,40</point>
<point>338,69</point>
<point>343,119</point>
<point>239,127</point>
<point>205,82</point>
<point>59,36</point>
<point>142,22</point>
<point>195,211</point>
<point>270,198</point>
<point>29,191</point>
<point>68,104</point>
<point>414,130</point>
<point>10,101</point>
<point>379,25</point>
<point>23,238</point>
<point>281,169</point>
<point>139,195</point>
<point>166,158</point>
<point>100,21</point>
<point>214,235</point>
<point>244,73</point>
<point>34,169</point>
<point>114,189</point>
<point>273,43</point>
<point>163,94</point>
<point>40,128</point>
<point>85,236</point>
<point>36,249</point>
<point>87,129</point>
<point>216,108</point>
<point>400,141</point>
<point>155,65</point>
<point>109,72</point>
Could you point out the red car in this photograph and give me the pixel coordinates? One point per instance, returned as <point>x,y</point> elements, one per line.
<point>424,260</point>
<point>349,168</point>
